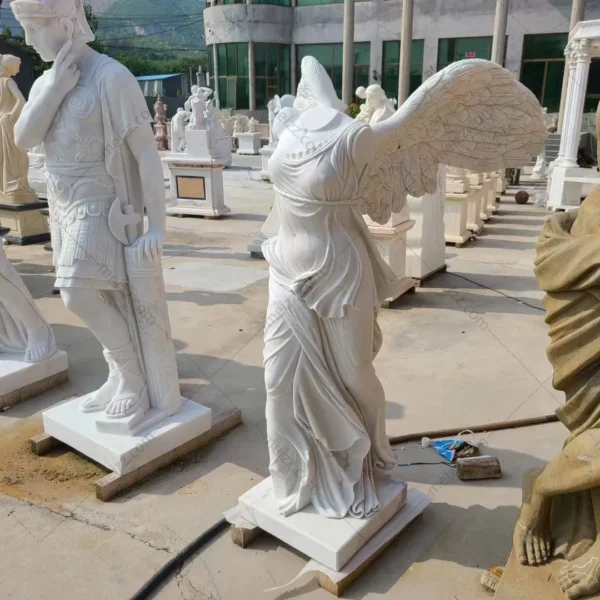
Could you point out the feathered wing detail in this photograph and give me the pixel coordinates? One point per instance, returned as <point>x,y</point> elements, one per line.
<point>473,114</point>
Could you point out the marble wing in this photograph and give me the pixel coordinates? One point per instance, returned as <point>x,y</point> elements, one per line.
<point>473,114</point>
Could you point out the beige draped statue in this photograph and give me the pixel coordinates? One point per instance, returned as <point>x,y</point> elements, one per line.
<point>14,163</point>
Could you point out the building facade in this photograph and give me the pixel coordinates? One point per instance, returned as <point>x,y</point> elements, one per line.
<point>256,46</point>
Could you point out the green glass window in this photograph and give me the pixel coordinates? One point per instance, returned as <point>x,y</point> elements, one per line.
<point>543,67</point>
<point>272,71</point>
<point>331,57</point>
<point>233,75</point>
<point>451,50</point>
<point>391,67</point>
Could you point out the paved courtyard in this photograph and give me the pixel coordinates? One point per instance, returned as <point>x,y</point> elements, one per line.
<point>466,349</point>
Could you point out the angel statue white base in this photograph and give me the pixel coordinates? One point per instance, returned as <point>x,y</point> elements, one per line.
<point>325,409</point>
<point>103,172</point>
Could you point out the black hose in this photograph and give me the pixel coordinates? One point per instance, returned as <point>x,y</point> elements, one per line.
<point>177,561</point>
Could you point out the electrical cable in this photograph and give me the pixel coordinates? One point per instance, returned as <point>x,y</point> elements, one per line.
<point>497,291</point>
<point>177,561</point>
<point>144,35</point>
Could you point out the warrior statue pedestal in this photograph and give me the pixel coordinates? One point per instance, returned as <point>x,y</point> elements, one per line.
<point>248,143</point>
<point>196,186</point>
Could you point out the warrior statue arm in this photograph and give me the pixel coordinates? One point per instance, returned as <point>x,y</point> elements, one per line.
<point>45,100</point>
<point>142,145</point>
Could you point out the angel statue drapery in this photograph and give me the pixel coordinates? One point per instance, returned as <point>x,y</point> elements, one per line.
<point>325,405</point>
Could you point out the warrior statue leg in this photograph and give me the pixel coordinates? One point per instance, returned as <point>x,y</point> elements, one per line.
<point>125,392</point>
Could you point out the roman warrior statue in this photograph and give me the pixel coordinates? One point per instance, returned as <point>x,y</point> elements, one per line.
<point>103,172</point>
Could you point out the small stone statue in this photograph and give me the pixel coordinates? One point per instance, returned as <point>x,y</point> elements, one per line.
<point>178,130</point>
<point>160,124</point>
<point>104,173</point>
<point>252,123</point>
<point>197,107</point>
<point>238,124</point>
<point>14,163</point>
<point>560,515</point>
<point>325,405</point>
<point>23,328</point>
<point>377,107</point>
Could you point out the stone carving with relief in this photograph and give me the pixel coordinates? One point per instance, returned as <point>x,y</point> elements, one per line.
<point>14,163</point>
<point>325,405</point>
<point>103,172</point>
<point>376,106</point>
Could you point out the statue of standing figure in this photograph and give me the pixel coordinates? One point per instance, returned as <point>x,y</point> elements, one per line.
<point>197,104</point>
<point>104,172</point>
<point>160,124</point>
<point>178,130</point>
<point>14,163</point>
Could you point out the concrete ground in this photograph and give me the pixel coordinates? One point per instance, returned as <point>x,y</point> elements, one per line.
<point>467,348</point>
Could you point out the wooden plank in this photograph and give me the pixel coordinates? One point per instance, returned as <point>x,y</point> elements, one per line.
<point>111,485</point>
<point>43,443</point>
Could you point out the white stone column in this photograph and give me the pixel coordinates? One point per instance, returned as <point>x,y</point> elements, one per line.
<point>251,77</point>
<point>499,39</point>
<point>577,14</point>
<point>348,60</point>
<point>578,60</point>
<point>216,76</point>
<point>408,7</point>
<point>430,57</point>
<point>513,58</point>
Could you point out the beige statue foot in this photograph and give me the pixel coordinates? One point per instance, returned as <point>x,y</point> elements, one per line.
<point>532,541</point>
<point>578,580</point>
<point>40,344</point>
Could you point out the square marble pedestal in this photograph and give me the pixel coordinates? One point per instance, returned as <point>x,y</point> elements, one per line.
<point>125,453</point>
<point>426,246</point>
<point>27,225</point>
<point>391,243</point>
<point>474,221</point>
<point>565,188</point>
<point>266,154</point>
<point>196,186</point>
<point>455,219</point>
<point>20,380</point>
<point>332,542</point>
<point>248,143</point>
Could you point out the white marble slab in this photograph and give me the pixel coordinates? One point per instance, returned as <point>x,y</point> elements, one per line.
<point>332,542</point>
<point>16,373</point>
<point>124,453</point>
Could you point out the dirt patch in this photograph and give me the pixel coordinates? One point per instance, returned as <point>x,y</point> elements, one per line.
<point>60,476</point>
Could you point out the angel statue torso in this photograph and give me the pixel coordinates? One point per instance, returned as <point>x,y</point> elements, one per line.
<point>103,173</point>
<point>14,163</point>
<point>325,405</point>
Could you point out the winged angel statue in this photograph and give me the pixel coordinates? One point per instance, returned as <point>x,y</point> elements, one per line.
<point>325,404</point>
